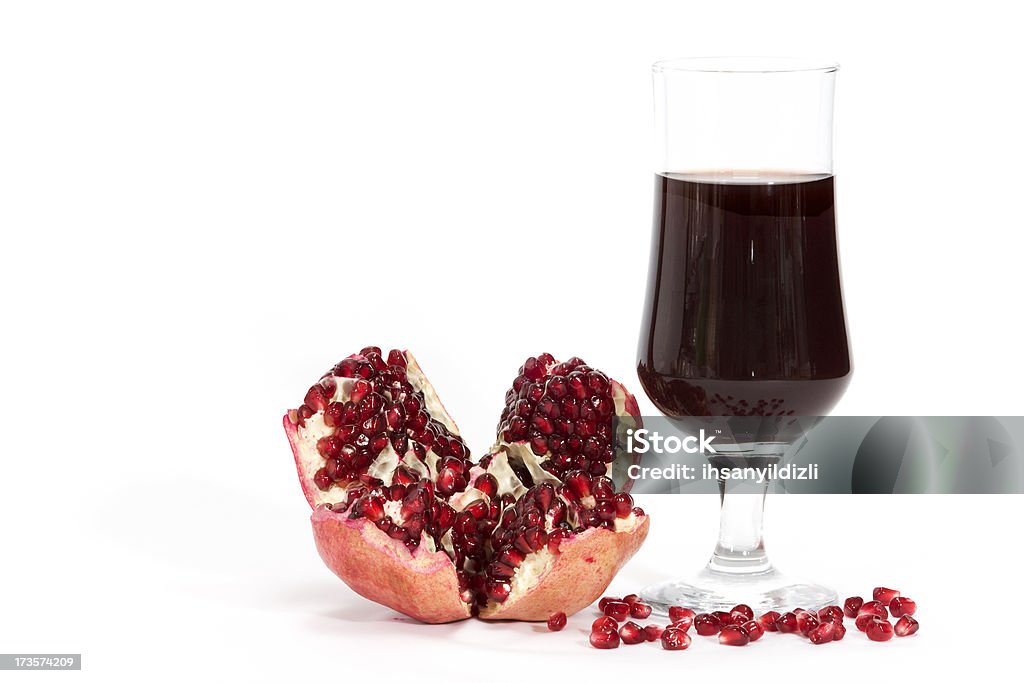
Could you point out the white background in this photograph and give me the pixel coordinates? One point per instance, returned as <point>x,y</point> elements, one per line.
<point>206,204</point>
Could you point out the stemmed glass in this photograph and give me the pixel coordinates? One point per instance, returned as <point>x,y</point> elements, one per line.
<point>744,311</point>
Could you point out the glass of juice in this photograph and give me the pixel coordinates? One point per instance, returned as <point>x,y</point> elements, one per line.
<point>744,314</point>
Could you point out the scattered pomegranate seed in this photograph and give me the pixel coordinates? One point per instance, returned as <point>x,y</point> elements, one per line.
<point>874,607</point>
<point>639,610</point>
<point>864,619</point>
<point>733,635</point>
<point>604,624</point>
<point>675,639</point>
<point>604,640</point>
<point>706,624</point>
<point>884,595</point>
<point>724,618</point>
<point>902,606</point>
<point>617,610</point>
<point>879,630</point>
<point>683,623</point>
<point>603,602</point>
<point>906,626</point>
<point>631,633</point>
<point>805,621</point>
<point>833,613</point>
<point>852,605</point>
<point>653,632</point>
<point>631,598</point>
<point>840,631</point>
<point>676,613</point>
<point>753,629</point>
<point>767,621</point>
<point>557,621</point>
<point>822,633</point>
<point>787,623</point>
<point>743,612</point>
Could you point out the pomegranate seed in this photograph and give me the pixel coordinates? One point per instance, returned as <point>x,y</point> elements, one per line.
<point>884,595</point>
<point>604,640</point>
<point>906,626</point>
<point>639,610</point>
<point>724,618</point>
<point>805,621</point>
<point>879,630</point>
<point>557,621</point>
<point>852,605</point>
<point>753,630</point>
<point>631,633</point>
<point>487,484</point>
<point>603,602</point>
<point>874,607</point>
<point>652,632</point>
<point>684,622</point>
<point>706,624</point>
<point>733,635</point>
<point>675,639</point>
<point>832,613</point>
<point>863,620</point>
<point>902,607</point>
<point>631,598</point>
<point>787,623</point>
<point>619,611</point>
<point>742,611</point>
<point>767,621</point>
<point>604,624</point>
<point>623,505</point>
<point>840,631</point>
<point>822,633</point>
<point>676,613</point>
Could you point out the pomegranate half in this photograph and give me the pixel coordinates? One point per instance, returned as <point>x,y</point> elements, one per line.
<point>405,519</point>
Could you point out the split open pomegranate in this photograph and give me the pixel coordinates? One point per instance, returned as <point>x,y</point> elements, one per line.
<point>406,519</point>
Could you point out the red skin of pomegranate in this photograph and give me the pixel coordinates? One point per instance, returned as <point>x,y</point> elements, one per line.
<point>421,584</point>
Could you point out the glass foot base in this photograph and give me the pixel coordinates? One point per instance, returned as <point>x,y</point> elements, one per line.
<point>710,590</point>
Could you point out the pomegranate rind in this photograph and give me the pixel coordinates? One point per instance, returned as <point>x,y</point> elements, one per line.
<point>583,567</point>
<point>421,584</point>
<point>309,489</point>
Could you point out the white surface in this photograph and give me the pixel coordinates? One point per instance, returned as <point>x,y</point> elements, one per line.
<point>205,205</point>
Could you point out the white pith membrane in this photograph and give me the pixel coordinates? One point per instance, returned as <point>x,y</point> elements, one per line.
<point>503,461</point>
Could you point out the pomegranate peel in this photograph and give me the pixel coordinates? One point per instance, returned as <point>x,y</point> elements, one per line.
<point>419,582</point>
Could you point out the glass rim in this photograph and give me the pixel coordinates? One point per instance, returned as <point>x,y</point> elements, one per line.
<point>745,65</point>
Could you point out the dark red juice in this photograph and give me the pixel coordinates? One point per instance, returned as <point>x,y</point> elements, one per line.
<point>744,310</point>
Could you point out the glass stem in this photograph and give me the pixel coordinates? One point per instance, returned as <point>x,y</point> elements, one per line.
<point>740,548</point>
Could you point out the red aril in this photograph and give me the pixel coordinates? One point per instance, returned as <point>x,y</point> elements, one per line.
<point>767,621</point>
<point>675,639</point>
<point>619,611</point>
<point>676,613</point>
<point>805,621</point>
<point>557,621</point>
<point>631,633</point>
<point>604,624</point>
<point>733,635</point>
<point>874,607</point>
<point>787,623</point>
<point>741,614</point>
<point>852,605</point>
<point>604,640</point>
<point>631,598</point>
<point>753,629</point>
<point>684,622</point>
<point>639,610</point>
<point>884,595</point>
<point>832,613</point>
<point>840,631</point>
<point>706,624</point>
<point>901,606</point>
<point>653,632</point>
<point>864,619</point>
<point>879,630</point>
<point>906,626</point>
<point>605,600</point>
<point>822,633</point>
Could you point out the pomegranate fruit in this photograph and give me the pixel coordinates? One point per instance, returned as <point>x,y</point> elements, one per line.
<point>406,519</point>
